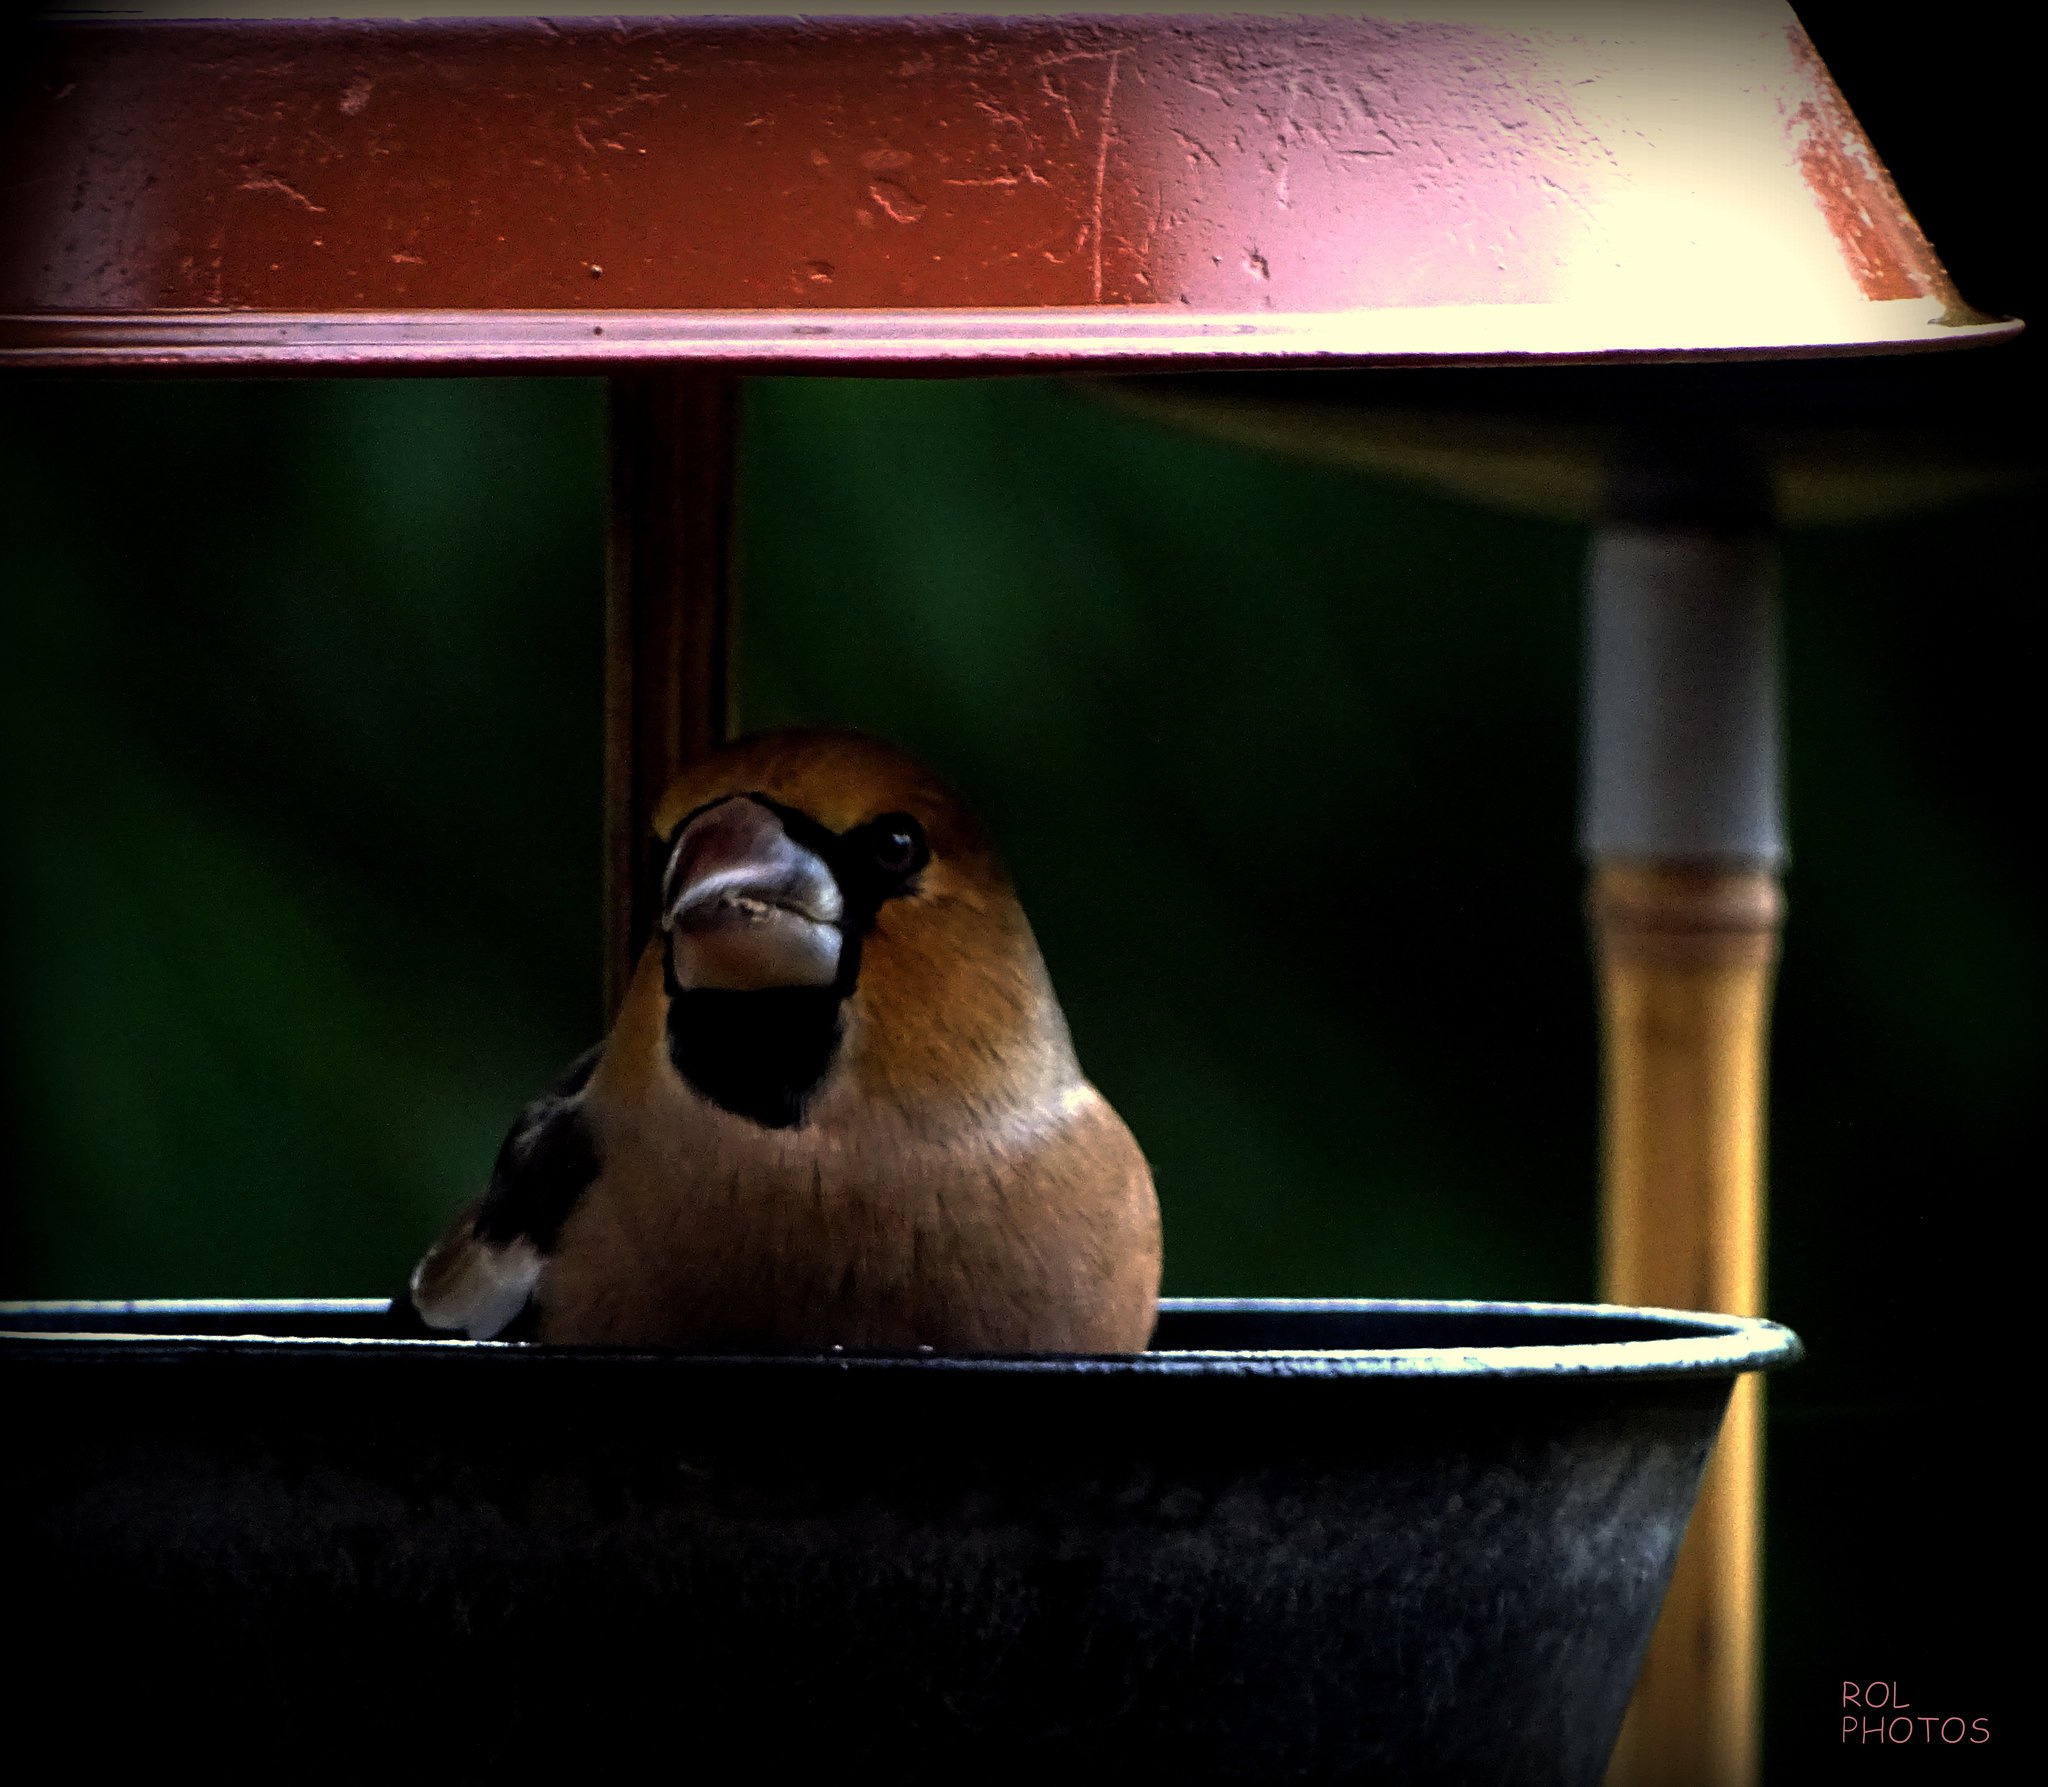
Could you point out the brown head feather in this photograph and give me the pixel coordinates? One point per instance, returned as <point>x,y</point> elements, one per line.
<point>953,1018</point>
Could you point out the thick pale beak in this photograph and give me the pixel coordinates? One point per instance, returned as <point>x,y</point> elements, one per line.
<point>746,908</point>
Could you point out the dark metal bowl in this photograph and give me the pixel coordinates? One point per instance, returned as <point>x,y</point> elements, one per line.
<point>1357,1541</point>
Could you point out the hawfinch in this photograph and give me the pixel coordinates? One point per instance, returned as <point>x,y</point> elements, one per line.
<point>839,1107</point>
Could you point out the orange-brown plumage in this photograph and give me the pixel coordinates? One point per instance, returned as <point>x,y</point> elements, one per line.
<point>948,1179</point>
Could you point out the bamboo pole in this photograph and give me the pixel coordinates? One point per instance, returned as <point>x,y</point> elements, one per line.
<point>669,694</point>
<point>1684,829</point>
<point>1686,957</point>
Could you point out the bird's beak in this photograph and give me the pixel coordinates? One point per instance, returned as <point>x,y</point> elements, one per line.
<point>747,908</point>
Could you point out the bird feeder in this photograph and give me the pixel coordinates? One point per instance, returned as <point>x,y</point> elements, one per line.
<point>675,203</point>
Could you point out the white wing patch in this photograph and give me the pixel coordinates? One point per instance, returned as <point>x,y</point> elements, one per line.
<point>477,1286</point>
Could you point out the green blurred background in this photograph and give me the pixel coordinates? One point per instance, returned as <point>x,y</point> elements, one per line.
<point>305,815</point>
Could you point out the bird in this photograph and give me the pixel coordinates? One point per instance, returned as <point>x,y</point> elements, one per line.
<point>839,1106</point>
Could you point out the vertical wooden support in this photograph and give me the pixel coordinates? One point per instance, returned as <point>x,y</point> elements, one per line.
<point>668,688</point>
<point>1684,829</point>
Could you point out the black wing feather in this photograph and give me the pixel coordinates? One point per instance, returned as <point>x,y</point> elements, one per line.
<point>544,1166</point>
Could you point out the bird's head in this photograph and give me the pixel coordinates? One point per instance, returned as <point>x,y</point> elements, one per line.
<point>833,922</point>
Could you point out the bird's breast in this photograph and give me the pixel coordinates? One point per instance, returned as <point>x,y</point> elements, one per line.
<point>858,1228</point>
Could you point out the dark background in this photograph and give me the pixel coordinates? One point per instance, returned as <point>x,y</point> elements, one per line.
<point>300,686</point>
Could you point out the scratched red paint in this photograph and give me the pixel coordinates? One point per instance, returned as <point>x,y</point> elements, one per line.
<point>1216,181</point>
<point>1885,250</point>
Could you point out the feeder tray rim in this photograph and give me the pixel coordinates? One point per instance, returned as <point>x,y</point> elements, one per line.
<point>1718,1345</point>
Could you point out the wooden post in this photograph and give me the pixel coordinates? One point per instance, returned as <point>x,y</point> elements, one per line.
<point>669,690</point>
<point>1684,830</point>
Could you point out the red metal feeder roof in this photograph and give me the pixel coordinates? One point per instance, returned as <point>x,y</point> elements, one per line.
<point>1456,184</point>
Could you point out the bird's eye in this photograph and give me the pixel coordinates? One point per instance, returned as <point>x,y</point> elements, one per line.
<point>898,845</point>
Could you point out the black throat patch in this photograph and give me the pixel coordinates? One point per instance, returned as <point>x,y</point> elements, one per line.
<point>761,1054</point>
<point>758,1055</point>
